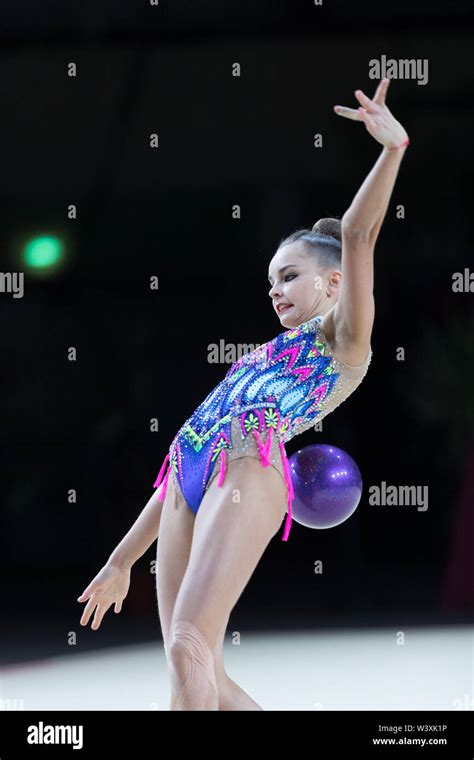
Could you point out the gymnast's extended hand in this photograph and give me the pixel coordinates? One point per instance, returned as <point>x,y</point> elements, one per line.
<point>378,120</point>
<point>110,586</point>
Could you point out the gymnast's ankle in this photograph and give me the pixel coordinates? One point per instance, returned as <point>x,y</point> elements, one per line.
<point>233,697</point>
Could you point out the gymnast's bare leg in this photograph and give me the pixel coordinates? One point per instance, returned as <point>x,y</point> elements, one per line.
<point>234,525</point>
<point>173,553</point>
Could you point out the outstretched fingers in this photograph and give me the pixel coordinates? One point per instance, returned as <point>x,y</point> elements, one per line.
<point>357,114</point>
<point>381,91</point>
<point>94,594</point>
<point>368,107</point>
<point>348,113</point>
<point>366,102</point>
<point>88,610</point>
<point>100,610</point>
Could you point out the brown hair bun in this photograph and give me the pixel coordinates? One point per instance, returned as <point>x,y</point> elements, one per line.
<point>330,227</point>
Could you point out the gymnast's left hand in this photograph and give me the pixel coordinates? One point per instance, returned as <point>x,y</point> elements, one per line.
<point>378,120</point>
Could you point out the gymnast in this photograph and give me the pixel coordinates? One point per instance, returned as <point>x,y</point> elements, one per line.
<point>224,487</point>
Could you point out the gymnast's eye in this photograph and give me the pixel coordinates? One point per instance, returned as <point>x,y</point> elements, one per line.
<point>284,279</point>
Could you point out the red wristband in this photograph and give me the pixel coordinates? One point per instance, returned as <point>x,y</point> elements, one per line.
<point>405,142</point>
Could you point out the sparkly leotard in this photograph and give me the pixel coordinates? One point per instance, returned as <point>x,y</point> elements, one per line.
<point>268,396</point>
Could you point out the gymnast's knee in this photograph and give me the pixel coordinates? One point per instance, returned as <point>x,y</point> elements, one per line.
<point>189,650</point>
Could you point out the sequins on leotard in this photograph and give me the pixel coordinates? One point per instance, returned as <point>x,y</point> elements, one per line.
<point>266,398</point>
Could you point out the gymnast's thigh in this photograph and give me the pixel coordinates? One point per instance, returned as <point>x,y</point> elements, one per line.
<point>233,526</point>
<point>173,550</point>
<point>246,478</point>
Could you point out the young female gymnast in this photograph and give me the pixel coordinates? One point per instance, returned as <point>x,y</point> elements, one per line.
<point>217,507</point>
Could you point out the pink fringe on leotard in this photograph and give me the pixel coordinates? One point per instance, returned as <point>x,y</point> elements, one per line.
<point>264,449</point>
<point>222,471</point>
<point>164,485</point>
<point>265,458</point>
<point>291,493</point>
<point>269,445</point>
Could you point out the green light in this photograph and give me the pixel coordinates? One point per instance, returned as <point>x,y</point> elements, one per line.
<point>42,252</point>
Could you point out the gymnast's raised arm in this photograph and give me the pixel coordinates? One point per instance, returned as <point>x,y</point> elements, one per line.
<point>360,225</point>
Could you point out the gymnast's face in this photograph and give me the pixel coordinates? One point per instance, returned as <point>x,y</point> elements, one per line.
<point>300,290</point>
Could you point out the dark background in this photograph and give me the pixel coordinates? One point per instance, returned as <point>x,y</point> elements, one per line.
<point>167,212</point>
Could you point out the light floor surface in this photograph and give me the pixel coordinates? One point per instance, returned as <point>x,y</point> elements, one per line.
<point>415,669</point>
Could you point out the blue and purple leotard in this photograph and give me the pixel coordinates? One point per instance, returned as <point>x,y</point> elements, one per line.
<point>268,396</point>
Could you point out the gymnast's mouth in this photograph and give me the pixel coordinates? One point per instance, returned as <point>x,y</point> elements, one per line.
<point>282,307</point>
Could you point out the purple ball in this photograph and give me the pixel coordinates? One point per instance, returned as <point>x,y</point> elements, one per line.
<point>327,485</point>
